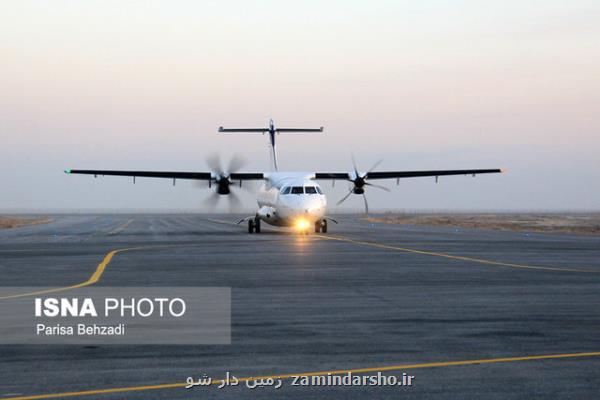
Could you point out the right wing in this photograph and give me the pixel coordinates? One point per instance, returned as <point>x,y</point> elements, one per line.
<point>417,174</point>
<point>405,174</point>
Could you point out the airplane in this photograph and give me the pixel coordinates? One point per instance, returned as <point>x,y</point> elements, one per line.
<point>287,199</point>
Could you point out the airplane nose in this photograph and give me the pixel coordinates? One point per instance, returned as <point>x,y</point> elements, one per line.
<point>315,208</point>
<point>295,207</point>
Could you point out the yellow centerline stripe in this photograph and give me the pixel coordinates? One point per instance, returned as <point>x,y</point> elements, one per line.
<point>438,254</point>
<point>332,372</point>
<point>461,258</point>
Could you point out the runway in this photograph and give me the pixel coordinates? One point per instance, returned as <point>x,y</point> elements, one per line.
<point>438,303</point>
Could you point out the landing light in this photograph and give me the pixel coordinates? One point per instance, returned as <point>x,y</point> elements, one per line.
<point>302,224</point>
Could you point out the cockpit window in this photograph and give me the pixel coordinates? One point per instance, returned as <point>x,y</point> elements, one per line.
<point>286,190</point>
<point>319,190</point>
<point>297,190</point>
<point>310,190</point>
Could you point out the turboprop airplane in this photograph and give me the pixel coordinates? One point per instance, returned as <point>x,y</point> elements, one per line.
<point>289,199</point>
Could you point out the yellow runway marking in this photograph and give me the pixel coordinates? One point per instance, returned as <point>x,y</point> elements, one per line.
<point>437,254</point>
<point>460,258</point>
<point>332,372</point>
<point>95,277</point>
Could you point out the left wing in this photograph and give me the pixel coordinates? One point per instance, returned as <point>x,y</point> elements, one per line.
<point>238,176</point>
<point>404,174</point>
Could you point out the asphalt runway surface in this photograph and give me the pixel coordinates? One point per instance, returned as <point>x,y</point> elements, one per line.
<point>362,296</point>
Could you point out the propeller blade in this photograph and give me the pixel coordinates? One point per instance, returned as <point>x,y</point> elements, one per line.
<point>354,165</point>
<point>211,201</point>
<point>375,165</point>
<point>235,204</point>
<point>236,163</point>
<point>377,186</point>
<point>345,197</point>
<point>214,163</point>
<point>366,204</point>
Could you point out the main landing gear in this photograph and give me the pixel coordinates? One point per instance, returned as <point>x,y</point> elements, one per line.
<point>321,226</point>
<point>254,225</point>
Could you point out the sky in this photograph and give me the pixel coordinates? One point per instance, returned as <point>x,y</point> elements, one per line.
<point>419,84</point>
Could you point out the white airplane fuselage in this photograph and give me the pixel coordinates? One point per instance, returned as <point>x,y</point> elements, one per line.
<point>291,198</point>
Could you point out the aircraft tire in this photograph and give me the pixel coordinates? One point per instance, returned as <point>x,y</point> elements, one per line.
<point>257,225</point>
<point>251,226</point>
<point>324,226</point>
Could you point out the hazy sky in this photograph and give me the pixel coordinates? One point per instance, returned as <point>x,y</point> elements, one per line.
<point>421,84</point>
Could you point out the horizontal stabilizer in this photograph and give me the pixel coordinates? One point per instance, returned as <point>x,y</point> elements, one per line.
<point>263,130</point>
<point>251,130</point>
<point>299,130</point>
<point>272,131</point>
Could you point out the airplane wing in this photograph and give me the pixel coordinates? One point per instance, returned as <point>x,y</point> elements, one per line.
<point>238,176</point>
<point>405,174</point>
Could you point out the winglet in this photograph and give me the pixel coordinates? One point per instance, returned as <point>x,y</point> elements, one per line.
<point>503,170</point>
<point>67,171</point>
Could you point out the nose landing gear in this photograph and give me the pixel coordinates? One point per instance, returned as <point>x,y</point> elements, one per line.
<point>254,225</point>
<point>321,226</point>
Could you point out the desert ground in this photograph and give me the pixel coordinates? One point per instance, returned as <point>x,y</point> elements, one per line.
<point>570,223</point>
<point>7,222</point>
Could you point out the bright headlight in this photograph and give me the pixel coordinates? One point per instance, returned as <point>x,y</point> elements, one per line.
<point>302,224</point>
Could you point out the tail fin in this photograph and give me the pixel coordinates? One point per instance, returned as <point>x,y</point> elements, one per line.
<point>271,130</point>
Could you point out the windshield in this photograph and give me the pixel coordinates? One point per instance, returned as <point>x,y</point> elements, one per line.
<point>310,190</point>
<point>297,190</point>
<point>285,190</point>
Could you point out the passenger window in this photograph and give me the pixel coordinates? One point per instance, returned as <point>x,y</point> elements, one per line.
<point>319,190</point>
<point>310,190</point>
<point>297,190</point>
<point>285,190</point>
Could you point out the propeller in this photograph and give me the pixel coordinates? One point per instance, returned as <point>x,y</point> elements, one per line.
<point>359,182</point>
<point>221,179</point>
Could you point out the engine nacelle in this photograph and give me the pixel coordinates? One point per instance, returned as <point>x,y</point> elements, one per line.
<point>266,213</point>
<point>359,184</point>
<point>223,187</point>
